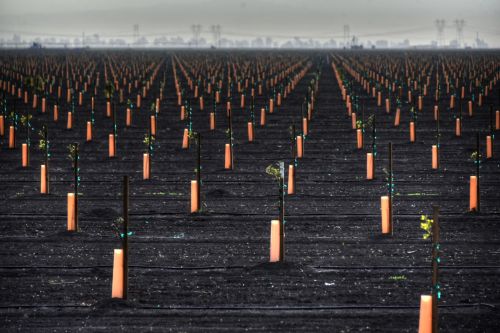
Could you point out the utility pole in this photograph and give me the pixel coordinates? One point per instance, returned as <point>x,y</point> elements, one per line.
<point>459,25</point>
<point>196,29</point>
<point>216,33</point>
<point>347,32</point>
<point>136,33</point>
<point>217,28</point>
<point>440,24</point>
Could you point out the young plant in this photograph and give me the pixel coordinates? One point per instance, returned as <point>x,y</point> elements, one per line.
<point>229,133</point>
<point>293,144</point>
<point>117,226</point>
<point>277,171</point>
<point>390,184</point>
<point>153,110</point>
<point>14,117</point>
<point>476,157</point>
<point>413,114</point>
<point>426,226</point>
<point>252,111</point>
<point>438,129</point>
<point>74,156</point>
<point>196,137</point>
<point>120,227</point>
<point>26,122</point>
<point>430,226</point>
<point>92,112</point>
<point>370,123</point>
<point>38,84</point>
<point>109,90</point>
<point>3,101</point>
<point>149,141</point>
<point>44,145</point>
<point>115,128</point>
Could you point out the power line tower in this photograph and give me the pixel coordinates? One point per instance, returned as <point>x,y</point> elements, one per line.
<point>440,24</point>
<point>216,32</point>
<point>136,33</point>
<point>347,33</point>
<point>196,29</point>
<point>459,25</point>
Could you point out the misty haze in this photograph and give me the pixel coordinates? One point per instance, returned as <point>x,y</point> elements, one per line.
<point>257,23</point>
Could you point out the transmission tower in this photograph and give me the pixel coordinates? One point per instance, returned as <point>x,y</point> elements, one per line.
<point>136,33</point>
<point>196,29</point>
<point>347,33</point>
<point>216,32</point>
<point>440,24</point>
<point>459,25</point>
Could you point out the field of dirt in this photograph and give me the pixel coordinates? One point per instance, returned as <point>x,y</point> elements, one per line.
<point>210,271</point>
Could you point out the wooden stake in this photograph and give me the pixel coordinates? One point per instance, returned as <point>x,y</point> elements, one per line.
<point>436,292</point>
<point>75,174</point>
<point>282,212</point>
<point>198,166</point>
<point>390,189</point>
<point>125,235</point>
<point>478,147</point>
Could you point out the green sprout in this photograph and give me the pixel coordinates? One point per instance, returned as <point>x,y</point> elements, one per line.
<point>397,278</point>
<point>42,144</point>
<point>191,135</point>
<point>109,89</point>
<point>38,83</point>
<point>426,225</point>
<point>72,152</point>
<point>148,140</point>
<point>369,121</point>
<point>25,119</point>
<point>117,227</point>
<point>274,171</point>
<point>475,156</point>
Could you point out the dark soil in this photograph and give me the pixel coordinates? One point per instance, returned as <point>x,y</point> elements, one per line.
<point>209,272</point>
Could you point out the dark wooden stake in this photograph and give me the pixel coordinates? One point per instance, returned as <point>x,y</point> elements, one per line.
<point>390,188</point>
<point>75,171</point>
<point>374,143</point>
<point>150,151</point>
<point>125,235</point>
<point>14,124</point>
<point>198,166</point>
<point>230,125</point>
<point>46,139</point>
<point>363,125</point>
<point>282,211</point>
<point>28,136</point>
<point>438,136</point>
<point>92,111</point>
<point>478,161</point>
<point>491,121</point>
<point>114,126</point>
<point>436,289</point>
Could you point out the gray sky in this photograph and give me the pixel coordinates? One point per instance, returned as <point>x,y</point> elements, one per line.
<point>368,19</point>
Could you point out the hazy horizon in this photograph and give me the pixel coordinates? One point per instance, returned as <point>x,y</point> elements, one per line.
<point>390,20</point>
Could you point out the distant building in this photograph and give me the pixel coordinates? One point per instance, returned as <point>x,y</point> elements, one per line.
<point>382,44</point>
<point>36,45</point>
<point>480,43</point>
